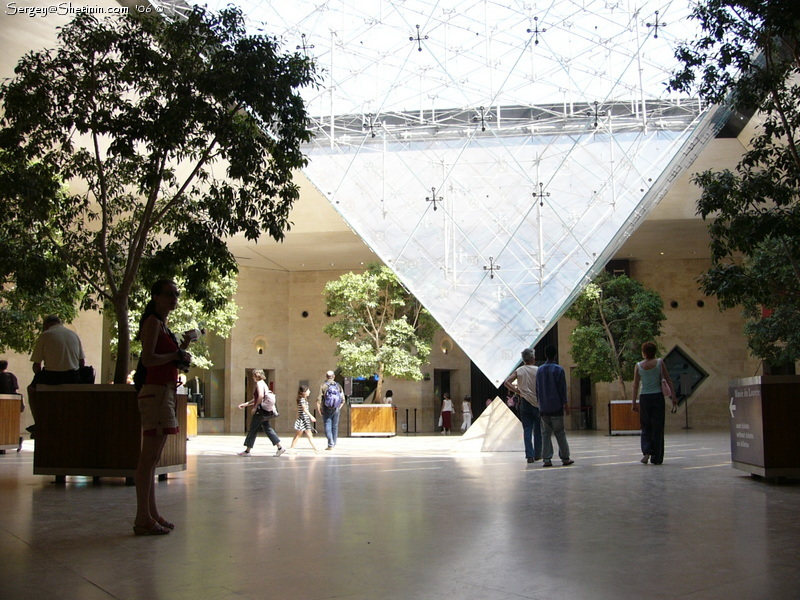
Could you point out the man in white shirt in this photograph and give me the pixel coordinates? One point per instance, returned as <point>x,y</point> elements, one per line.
<point>523,383</point>
<point>61,352</point>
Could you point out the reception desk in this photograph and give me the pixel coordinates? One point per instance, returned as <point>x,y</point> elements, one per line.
<point>372,420</point>
<point>9,421</point>
<point>95,430</point>
<point>622,420</point>
<point>191,418</point>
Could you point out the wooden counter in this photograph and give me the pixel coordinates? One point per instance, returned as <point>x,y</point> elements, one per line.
<point>96,431</point>
<point>191,417</point>
<point>622,420</point>
<point>9,421</point>
<point>373,420</point>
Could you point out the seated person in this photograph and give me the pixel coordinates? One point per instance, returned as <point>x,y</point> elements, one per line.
<point>57,357</point>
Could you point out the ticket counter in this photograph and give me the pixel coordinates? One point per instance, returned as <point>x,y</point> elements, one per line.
<point>372,420</point>
<point>191,417</point>
<point>621,419</point>
<point>9,421</point>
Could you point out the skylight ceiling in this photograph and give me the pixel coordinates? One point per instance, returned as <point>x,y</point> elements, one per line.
<point>495,155</point>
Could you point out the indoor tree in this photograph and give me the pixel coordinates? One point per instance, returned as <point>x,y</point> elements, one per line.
<point>191,314</point>
<point>144,140</point>
<point>748,58</point>
<point>615,315</point>
<point>380,328</point>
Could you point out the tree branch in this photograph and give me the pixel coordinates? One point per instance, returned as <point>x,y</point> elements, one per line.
<point>779,107</point>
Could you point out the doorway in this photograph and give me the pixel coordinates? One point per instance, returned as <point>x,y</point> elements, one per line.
<point>441,386</point>
<point>580,398</point>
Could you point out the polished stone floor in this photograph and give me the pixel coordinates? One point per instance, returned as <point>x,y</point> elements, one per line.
<point>409,518</point>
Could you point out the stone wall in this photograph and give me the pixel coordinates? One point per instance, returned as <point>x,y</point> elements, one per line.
<point>713,339</point>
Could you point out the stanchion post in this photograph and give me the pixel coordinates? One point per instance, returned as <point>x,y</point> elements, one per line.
<point>686,412</point>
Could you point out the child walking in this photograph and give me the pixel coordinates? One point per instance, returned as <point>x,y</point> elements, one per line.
<point>304,421</point>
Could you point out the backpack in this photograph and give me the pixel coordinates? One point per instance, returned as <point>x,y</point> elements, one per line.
<point>333,396</point>
<point>269,395</point>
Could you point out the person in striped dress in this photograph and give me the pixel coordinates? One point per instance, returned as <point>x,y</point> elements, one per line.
<point>305,420</point>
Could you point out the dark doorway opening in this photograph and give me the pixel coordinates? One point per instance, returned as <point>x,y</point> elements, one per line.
<point>483,389</point>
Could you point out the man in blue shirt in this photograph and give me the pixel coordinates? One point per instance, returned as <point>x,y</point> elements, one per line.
<point>551,390</point>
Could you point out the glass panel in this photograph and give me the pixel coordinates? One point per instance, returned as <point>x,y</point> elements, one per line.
<point>494,156</point>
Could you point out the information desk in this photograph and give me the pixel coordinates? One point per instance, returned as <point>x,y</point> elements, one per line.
<point>765,420</point>
<point>191,417</point>
<point>372,420</point>
<point>622,420</point>
<point>95,430</point>
<point>9,421</point>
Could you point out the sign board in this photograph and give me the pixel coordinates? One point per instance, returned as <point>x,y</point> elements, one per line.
<point>747,441</point>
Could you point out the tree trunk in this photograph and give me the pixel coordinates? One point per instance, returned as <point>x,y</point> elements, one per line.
<point>612,344</point>
<point>624,390</point>
<point>122,364</point>
<point>379,387</point>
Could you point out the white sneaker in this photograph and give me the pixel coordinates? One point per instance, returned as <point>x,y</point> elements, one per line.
<point>280,451</point>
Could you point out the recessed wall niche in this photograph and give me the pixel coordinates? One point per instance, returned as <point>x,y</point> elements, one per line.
<point>260,344</point>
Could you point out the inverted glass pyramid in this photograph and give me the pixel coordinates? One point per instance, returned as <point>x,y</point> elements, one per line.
<point>495,155</point>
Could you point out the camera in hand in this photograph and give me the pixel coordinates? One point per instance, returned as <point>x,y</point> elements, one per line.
<point>183,363</point>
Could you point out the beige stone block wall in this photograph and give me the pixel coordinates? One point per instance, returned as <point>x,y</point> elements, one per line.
<point>264,300</point>
<point>712,338</point>
<point>289,311</point>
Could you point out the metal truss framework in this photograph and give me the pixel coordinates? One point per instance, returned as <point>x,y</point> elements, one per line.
<point>494,155</point>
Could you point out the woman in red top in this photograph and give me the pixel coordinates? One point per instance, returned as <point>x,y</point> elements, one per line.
<point>160,351</point>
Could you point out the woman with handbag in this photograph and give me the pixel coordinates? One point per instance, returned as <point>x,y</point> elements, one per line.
<point>263,410</point>
<point>652,377</point>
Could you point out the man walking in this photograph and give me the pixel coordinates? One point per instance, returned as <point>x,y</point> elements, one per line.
<point>329,403</point>
<point>523,383</point>
<point>551,391</point>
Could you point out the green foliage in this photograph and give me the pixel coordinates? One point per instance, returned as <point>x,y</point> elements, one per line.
<point>170,135</point>
<point>32,284</point>
<point>748,57</point>
<point>380,327</point>
<point>192,314</point>
<point>615,316</point>
<point>772,311</point>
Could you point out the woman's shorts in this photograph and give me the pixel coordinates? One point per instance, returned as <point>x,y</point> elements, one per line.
<point>157,409</point>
